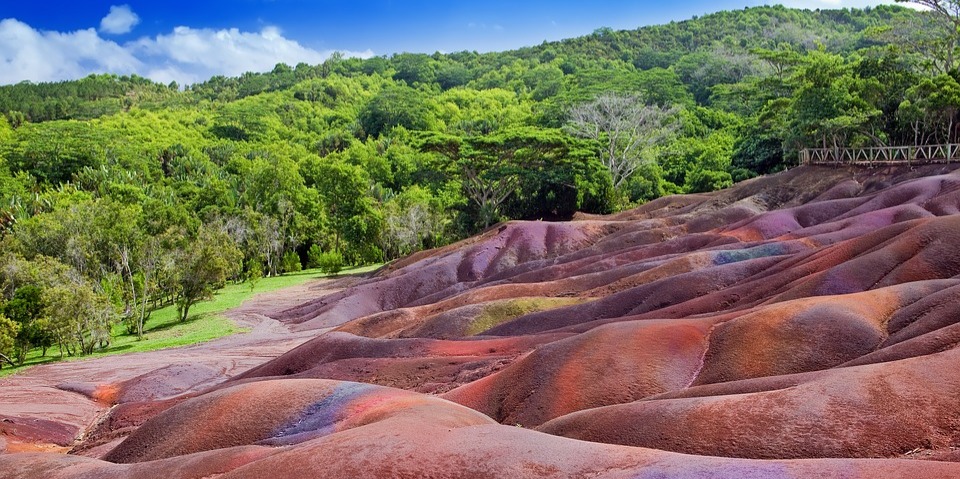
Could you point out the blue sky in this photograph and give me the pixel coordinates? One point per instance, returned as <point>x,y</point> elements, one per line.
<point>189,41</point>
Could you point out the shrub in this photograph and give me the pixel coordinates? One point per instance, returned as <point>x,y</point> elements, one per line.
<point>290,263</point>
<point>330,262</point>
<point>314,256</point>
<point>254,273</point>
<point>702,181</point>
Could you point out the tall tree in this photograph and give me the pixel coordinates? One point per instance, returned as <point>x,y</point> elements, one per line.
<point>343,188</point>
<point>490,167</point>
<point>830,106</point>
<point>627,129</point>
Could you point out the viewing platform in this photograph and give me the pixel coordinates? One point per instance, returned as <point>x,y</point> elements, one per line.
<point>881,156</point>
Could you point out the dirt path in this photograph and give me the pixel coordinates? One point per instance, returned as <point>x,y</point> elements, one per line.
<point>34,406</point>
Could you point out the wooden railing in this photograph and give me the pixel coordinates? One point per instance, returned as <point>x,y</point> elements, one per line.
<point>878,156</point>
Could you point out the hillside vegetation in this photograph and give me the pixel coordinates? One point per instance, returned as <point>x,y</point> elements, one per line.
<point>119,195</point>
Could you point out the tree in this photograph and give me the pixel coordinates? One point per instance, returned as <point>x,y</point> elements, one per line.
<point>243,120</point>
<point>758,150</point>
<point>82,317</point>
<point>411,219</point>
<point>53,302</point>
<point>830,106</point>
<point>8,334</point>
<point>780,60</point>
<point>627,129</point>
<point>280,210</point>
<point>17,119</point>
<point>102,240</point>
<point>894,74</point>
<point>148,264</point>
<point>204,265</point>
<point>700,164</point>
<point>926,34</point>
<point>490,167</point>
<point>343,188</point>
<point>948,11</point>
<point>571,179</point>
<point>414,68</point>
<point>395,106</point>
<point>451,75</point>
<point>930,109</point>
<point>25,309</point>
<point>473,112</point>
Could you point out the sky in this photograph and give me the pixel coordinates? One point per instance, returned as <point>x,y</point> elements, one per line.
<point>190,41</point>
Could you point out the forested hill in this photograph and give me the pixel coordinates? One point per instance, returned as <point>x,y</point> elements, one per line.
<point>703,51</point>
<point>123,184</point>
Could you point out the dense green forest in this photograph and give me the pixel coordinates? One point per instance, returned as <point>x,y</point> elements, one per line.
<point>118,194</point>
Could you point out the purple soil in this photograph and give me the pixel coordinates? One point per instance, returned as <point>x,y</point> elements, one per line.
<point>407,447</point>
<point>656,356</point>
<point>299,410</point>
<point>878,410</point>
<point>803,324</point>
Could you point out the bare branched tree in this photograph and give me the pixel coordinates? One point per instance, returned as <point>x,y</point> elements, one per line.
<point>406,227</point>
<point>627,128</point>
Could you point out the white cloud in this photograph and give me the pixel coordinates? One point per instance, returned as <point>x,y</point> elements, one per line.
<point>201,53</point>
<point>120,20</point>
<point>28,54</point>
<point>197,54</point>
<point>185,55</point>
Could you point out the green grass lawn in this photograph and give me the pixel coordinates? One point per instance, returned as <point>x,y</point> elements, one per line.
<point>206,321</point>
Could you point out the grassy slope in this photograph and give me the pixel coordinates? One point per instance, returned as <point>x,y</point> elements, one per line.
<point>206,321</point>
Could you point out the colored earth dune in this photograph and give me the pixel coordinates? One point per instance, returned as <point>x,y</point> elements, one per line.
<point>804,324</point>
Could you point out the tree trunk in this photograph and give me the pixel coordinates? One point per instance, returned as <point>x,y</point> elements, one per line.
<point>7,359</point>
<point>184,309</point>
<point>143,312</point>
<point>22,352</point>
